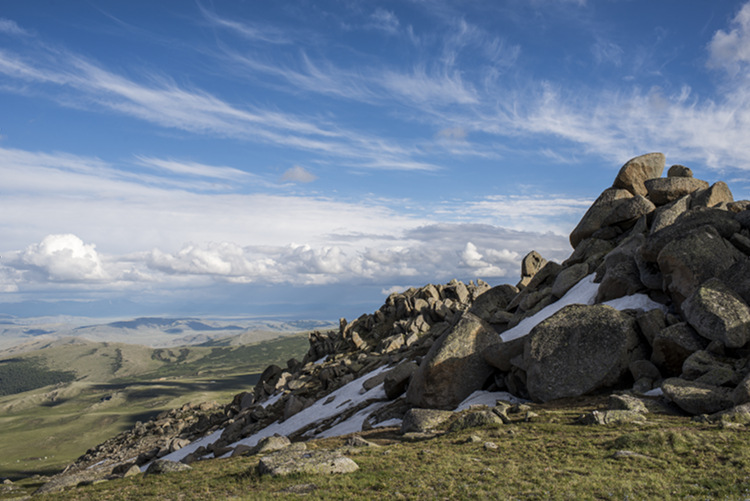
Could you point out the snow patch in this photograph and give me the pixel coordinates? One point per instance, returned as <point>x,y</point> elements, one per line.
<point>271,400</point>
<point>190,448</point>
<point>348,394</point>
<point>584,292</point>
<point>656,392</point>
<point>488,398</point>
<point>353,424</point>
<point>389,422</point>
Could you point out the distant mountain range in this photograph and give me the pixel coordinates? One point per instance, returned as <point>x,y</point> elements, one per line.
<point>149,331</point>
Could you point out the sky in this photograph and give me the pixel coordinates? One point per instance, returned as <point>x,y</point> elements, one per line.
<point>308,158</point>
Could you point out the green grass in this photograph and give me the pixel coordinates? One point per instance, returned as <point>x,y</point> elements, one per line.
<point>44,429</point>
<point>549,459</point>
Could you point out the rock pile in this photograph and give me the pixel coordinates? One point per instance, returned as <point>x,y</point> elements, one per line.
<point>670,253</point>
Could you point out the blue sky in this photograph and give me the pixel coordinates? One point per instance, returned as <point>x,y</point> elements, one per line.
<point>301,157</point>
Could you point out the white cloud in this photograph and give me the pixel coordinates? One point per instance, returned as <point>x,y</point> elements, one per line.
<point>64,258</point>
<point>730,49</point>
<point>194,169</point>
<point>298,174</point>
<point>384,20</point>
<point>10,27</point>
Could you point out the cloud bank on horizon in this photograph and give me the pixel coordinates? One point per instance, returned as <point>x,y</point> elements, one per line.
<point>173,149</point>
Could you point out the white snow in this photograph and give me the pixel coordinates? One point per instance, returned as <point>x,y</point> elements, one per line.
<point>344,398</point>
<point>389,422</point>
<point>488,398</point>
<point>584,292</point>
<point>320,360</point>
<point>656,392</point>
<point>272,399</point>
<point>190,448</point>
<point>353,424</point>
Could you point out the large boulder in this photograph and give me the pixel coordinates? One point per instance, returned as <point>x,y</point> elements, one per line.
<point>697,398</point>
<point>719,314</point>
<point>638,170</point>
<point>622,276</point>
<point>599,211</point>
<point>722,221</point>
<point>664,190</point>
<point>454,367</point>
<point>578,350</point>
<point>667,214</point>
<point>492,301</point>
<point>717,194</point>
<point>691,259</point>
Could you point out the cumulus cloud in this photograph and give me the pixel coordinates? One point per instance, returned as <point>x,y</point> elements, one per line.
<point>64,258</point>
<point>731,49</point>
<point>298,174</point>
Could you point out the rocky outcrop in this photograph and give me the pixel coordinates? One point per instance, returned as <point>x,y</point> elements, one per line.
<point>672,252</point>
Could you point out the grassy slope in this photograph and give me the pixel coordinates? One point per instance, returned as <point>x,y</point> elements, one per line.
<point>43,430</point>
<point>550,458</point>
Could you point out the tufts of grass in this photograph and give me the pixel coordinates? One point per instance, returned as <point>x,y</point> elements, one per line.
<point>548,459</point>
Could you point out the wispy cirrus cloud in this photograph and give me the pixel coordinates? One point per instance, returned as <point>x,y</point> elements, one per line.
<point>160,101</point>
<point>10,27</point>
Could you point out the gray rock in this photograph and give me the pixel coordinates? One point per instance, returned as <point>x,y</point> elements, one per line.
<point>500,354</point>
<point>718,313</point>
<point>475,419</point>
<point>612,417</point>
<point>397,379</point>
<point>673,345</point>
<point>492,301</point>
<point>627,211</point>
<point>717,194</point>
<point>454,367</point>
<point>578,350</point>
<point>679,171</point>
<point>644,369</point>
<point>638,170</point>
<point>567,278</point>
<point>318,462</point>
<point>161,466</point>
<point>741,394</point>
<point>697,398</point>
<point>651,323</point>
<point>741,242</point>
<point>722,221</point>
<point>423,420</point>
<point>357,441</point>
<point>664,190</point>
<point>737,278</point>
<point>590,250</point>
<point>622,276</point>
<point>532,263</point>
<point>595,216</point>
<point>689,260</point>
<point>703,362</point>
<point>625,402</point>
<point>271,444</point>
<point>667,214</point>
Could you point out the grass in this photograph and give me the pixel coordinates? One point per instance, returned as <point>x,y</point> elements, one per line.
<point>45,429</point>
<point>552,458</point>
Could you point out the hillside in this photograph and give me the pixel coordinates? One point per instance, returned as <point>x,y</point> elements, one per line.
<point>104,388</point>
<point>622,372</point>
